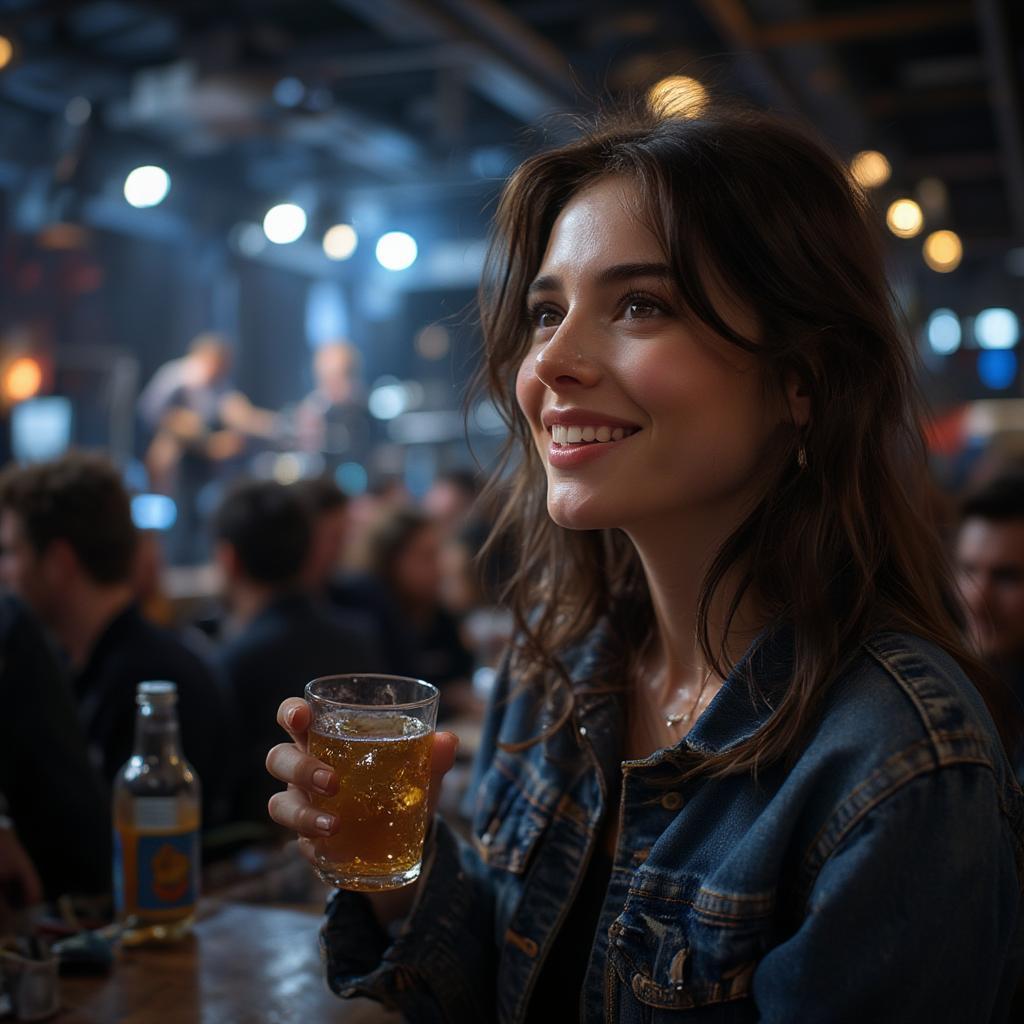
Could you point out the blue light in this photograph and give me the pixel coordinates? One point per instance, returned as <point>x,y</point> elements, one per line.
<point>153,512</point>
<point>996,328</point>
<point>351,478</point>
<point>944,331</point>
<point>997,368</point>
<point>396,250</point>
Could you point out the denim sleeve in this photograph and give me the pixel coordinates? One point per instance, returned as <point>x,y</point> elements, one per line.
<point>441,965</point>
<point>914,914</point>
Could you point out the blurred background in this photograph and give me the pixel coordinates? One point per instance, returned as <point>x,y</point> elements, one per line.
<point>240,244</point>
<point>289,173</point>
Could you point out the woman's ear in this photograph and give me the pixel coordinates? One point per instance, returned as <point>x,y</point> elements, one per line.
<point>798,399</point>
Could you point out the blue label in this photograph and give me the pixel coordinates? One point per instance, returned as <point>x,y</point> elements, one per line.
<point>168,870</point>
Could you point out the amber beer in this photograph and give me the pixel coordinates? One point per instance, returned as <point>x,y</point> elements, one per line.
<point>380,754</point>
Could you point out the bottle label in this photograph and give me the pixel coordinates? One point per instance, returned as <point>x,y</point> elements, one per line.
<point>168,866</point>
<point>156,861</point>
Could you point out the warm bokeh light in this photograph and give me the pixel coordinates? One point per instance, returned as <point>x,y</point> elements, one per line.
<point>943,251</point>
<point>870,168</point>
<point>677,96</point>
<point>340,242</point>
<point>904,218</point>
<point>6,51</point>
<point>23,379</point>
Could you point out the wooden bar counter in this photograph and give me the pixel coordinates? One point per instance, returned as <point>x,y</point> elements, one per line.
<point>244,964</point>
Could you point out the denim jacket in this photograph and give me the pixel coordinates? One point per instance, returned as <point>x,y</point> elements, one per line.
<point>877,878</point>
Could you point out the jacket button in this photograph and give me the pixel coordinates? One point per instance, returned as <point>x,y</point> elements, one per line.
<point>583,730</point>
<point>671,801</point>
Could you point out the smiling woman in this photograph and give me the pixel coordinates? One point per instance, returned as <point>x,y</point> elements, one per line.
<point>740,764</point>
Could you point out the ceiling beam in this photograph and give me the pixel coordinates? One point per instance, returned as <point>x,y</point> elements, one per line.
<point>1006,88</point>
<point>842,28</point>
<point>513,67</point>
<point>731,20</point>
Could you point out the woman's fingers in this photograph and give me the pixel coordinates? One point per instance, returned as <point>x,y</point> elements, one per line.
<point>293,810</point>
<point>294,717</point>
<point>442,757</point>
<point>294,766</point>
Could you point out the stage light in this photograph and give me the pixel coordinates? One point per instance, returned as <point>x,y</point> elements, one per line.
<point>997,368</point>
<point>153,512</point>
<point>340,242</point>
<point>996,328</point>
<point>23,379</point>
<point>943,251</point>
<point>944,331</point>
<point>396,250</point>
<point>284,223</point>
<point>677,96</point>
<point>147,186</point>
<point>6,51</point>
<point>904,218</point>
<point>870,168</point>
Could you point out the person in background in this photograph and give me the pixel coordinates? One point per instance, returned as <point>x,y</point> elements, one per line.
<point>332,419</point>
<point>404,554</point>
<point>344,590</point>
<point>199,426</point>
<point>68,549</point>
<point>279,637</point>
<point>51,794</point>
<point>990,564</point>
<point>451,499</point>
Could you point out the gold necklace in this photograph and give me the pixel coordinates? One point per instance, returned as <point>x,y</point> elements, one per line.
<point>681,717</point>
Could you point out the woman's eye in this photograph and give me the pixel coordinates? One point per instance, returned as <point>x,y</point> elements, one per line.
<point>641,309</point>
<point>545,317</point>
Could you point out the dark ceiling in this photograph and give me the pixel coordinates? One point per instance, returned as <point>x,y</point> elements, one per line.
<point>416,104</point>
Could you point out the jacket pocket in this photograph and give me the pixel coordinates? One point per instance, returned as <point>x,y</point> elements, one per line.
<point>513,808</point>
<point>678,947</point>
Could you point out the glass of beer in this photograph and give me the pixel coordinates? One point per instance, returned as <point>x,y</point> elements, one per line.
<point>377,733</point>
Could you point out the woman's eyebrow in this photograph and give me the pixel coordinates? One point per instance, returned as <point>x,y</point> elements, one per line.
<point>610,275</point>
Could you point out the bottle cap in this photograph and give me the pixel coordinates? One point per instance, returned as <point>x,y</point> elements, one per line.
<point>160,690</point>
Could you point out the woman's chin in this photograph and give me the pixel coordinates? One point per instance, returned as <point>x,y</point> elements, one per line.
<point>575,515</point>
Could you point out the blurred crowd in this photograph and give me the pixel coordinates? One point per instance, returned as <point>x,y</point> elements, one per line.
<point>310,583</point>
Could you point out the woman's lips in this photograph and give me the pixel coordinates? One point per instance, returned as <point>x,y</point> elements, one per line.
<point>567,455</point>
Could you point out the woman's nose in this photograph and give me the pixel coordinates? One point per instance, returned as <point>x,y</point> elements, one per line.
<point>563,361</point>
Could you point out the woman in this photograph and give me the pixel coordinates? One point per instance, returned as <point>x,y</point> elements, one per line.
<point>734,769</point>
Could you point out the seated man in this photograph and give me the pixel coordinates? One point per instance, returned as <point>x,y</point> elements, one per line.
<point>68,540</point>
<point>990,561</point>
<point>50,795</point>
<point>280,636</point>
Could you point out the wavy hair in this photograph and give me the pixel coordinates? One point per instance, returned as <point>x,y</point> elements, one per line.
<point>837,550</point>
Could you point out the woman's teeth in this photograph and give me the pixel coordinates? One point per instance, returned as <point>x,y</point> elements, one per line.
<point>577,435</point>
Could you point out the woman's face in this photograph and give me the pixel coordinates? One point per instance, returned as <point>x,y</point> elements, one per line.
<point>638,412</point>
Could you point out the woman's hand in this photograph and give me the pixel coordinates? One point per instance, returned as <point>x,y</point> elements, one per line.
<point>304,774</point>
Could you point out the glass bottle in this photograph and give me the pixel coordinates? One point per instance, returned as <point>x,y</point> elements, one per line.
<point>156,826</point>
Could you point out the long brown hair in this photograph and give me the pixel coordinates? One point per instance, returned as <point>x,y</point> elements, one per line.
<point>835,550</point>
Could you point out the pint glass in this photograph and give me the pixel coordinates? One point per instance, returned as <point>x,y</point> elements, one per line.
<point>376,732</point>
